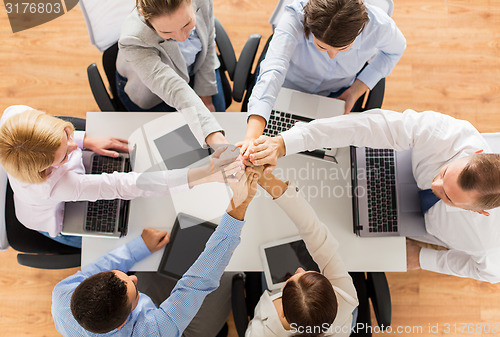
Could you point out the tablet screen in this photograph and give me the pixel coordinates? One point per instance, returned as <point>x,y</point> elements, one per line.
<point>283,260</point>
<point>187,241</point>
<point>179,148</point>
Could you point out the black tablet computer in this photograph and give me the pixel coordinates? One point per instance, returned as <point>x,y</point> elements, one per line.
<point>187,241</point>
<point>179,148</point>
<point>282,258</point>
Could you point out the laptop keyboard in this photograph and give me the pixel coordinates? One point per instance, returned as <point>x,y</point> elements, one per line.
<point>282,121</point>
<point>381,189</point>
<point>102,214</point>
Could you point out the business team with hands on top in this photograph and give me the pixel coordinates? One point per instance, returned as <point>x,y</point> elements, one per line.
<point>167,62</point>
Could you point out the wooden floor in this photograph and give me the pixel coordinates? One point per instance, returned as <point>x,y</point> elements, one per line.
<point>451,65</point>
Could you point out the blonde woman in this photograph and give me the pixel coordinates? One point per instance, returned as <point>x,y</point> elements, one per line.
<point>167,62</point>
<point>42,156</point>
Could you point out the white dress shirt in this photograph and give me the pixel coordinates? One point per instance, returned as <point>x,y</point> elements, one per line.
<point>436,140</point>
<point>322,246</point>
<point>293,61</point>
<point>41,206</point>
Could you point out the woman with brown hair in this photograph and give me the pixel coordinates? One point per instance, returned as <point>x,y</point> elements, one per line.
<point>311,303</point>
<point>321,47</point>
<point>167,62</point>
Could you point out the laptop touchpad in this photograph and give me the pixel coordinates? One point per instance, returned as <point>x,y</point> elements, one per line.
<point>408,198</point>
<point>302,106</point>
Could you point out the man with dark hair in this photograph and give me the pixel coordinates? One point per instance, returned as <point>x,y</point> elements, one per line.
<point>102,298</point>
<point>460,183</point>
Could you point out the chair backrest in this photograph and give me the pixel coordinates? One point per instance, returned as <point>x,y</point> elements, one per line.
<point>239,71</point>
<point>227,59</point>
<point>99,91</point>
<point>104,20</point>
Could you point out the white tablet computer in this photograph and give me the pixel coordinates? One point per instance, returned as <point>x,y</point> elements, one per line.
<point>282,258</point>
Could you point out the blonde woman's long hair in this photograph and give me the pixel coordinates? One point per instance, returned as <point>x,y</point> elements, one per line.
<point>28,143</point>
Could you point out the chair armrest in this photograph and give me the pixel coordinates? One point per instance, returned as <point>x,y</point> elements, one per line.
<point>226,50</point>
<point>43,261</point>
<point>238,303</point>
<point>379,292</point>
<point>78,123</point>
<point>376,96</point>
<point>99,91</point>
<point>244,67</point>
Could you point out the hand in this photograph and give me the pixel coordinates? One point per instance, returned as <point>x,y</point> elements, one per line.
<point>225,163</point>
<point>412,255</point>
<point>207,100</point>
<point>155,239</point>
<point>351,95</point>
<point>224,167</point>
<point>255,126</point>
<point>102,145</point>
<point>243,192</point>
<point>246,146</point>
<point>266,152</point>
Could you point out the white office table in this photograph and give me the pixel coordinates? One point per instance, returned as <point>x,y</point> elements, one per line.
<point>325,185</point>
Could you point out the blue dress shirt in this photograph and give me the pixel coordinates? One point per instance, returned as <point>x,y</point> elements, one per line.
<point>293,61</point>
<point>177,311</point>
<point>190,48</point>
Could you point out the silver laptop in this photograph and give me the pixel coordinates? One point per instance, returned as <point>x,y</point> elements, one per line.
<point>384,194</point>
<point>293,106</point>
<point>103,218</point>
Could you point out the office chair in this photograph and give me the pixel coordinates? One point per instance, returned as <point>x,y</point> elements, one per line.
<point>36,250</point>
<point>238,71</point>
<point>104,100</point>
<point>247,289</point>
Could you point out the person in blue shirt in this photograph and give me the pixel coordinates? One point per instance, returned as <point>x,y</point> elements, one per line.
<point>103,299</point>
<point>321,47</point>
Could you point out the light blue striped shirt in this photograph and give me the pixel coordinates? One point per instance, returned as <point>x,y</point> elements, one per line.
<point>293,61</point>
<point>177,311</point>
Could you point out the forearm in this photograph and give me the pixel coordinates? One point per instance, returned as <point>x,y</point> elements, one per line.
<point>118,185</point>
<point>255,127</point>
<point>274,67</point>
<point>121,258</point>
<point>216,138</point>
<point>238,211</point>
<point>457,263</point>
<point>272,185</point>
<point>198,176</point>
<point>374,128</point>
